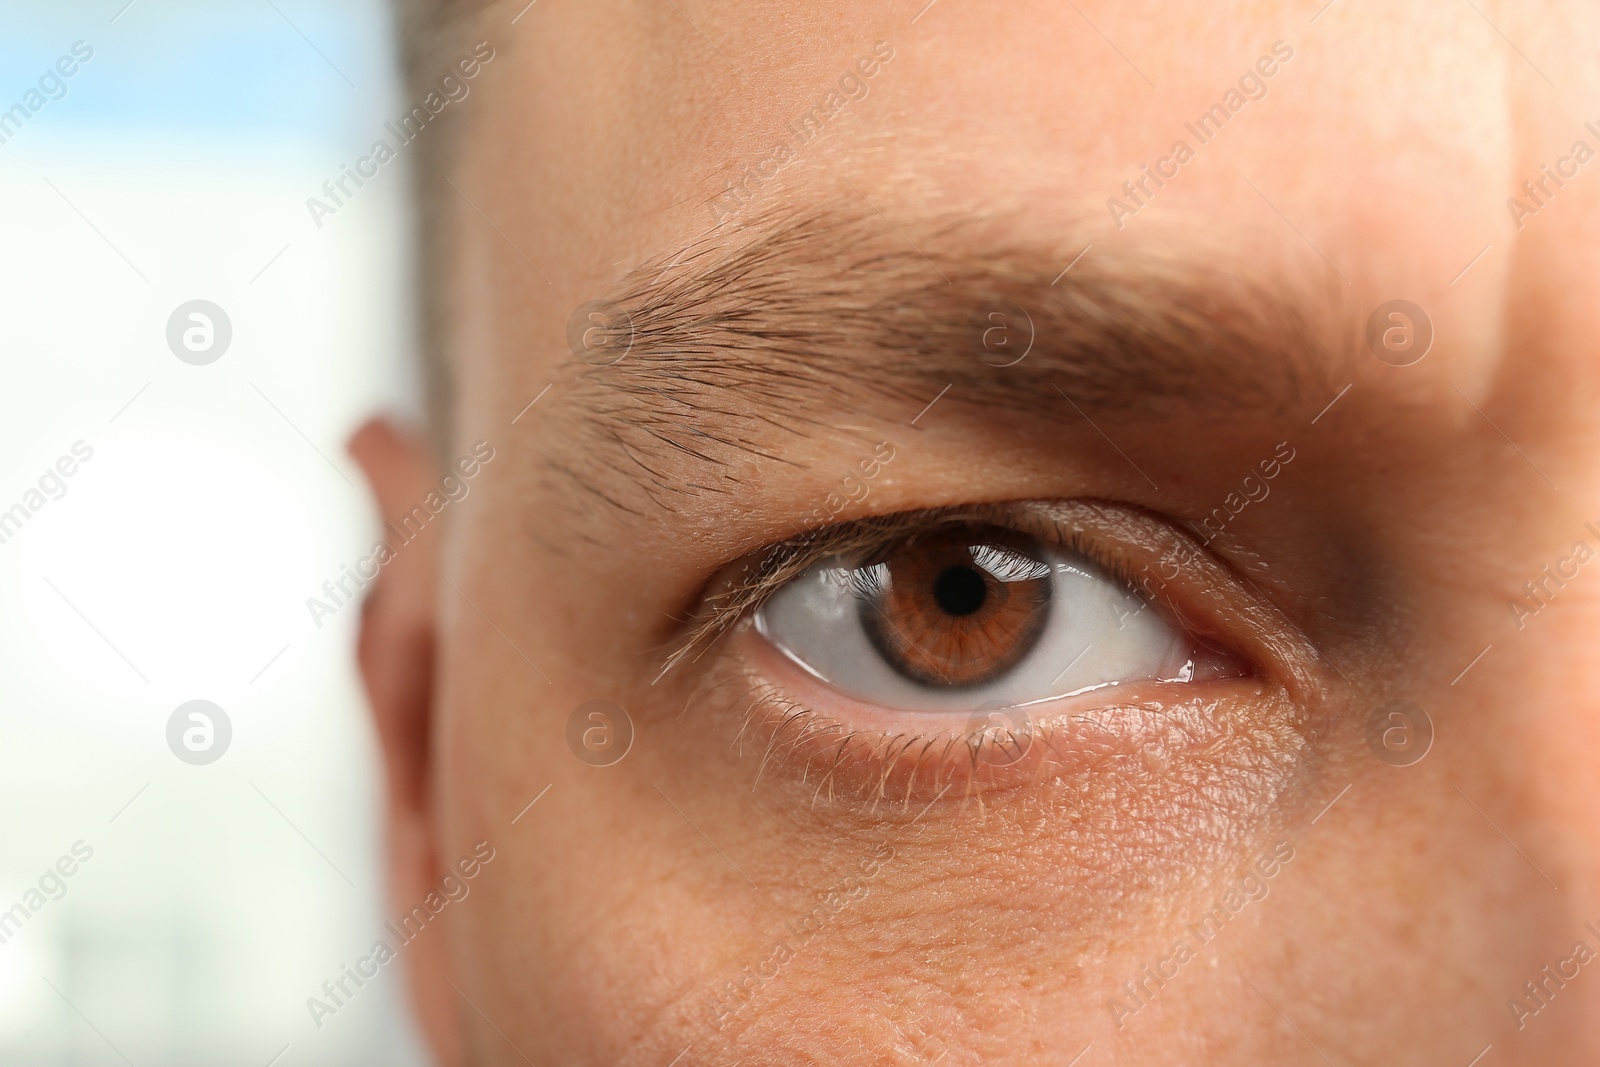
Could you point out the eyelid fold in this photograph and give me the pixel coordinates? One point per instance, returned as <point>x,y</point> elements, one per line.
<point>1169,567</point>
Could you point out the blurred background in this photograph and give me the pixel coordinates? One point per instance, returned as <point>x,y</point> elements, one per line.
<point>232,873</point>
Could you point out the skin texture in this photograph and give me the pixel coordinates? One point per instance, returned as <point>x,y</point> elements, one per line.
<point>997,921</point>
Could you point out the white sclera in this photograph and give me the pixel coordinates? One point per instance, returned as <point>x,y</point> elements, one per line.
<point>1097,633</point>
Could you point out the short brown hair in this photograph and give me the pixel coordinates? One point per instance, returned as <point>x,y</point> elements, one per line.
<point>432,34</point>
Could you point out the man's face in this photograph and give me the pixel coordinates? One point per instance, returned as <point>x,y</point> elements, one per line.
<point>1062,606</point>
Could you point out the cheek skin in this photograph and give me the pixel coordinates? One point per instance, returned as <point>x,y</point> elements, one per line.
<point>1102,805</point>
<point>995,896</point>
<point>956,923</point>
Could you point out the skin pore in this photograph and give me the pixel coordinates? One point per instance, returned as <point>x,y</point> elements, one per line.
<point>782,872</point>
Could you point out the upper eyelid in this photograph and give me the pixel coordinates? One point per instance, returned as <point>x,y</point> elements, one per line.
<point>770,569</point>
<point>774,566</point>
<point>1207,597</point>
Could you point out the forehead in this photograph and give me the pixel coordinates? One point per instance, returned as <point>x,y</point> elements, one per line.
<point>635,126</point>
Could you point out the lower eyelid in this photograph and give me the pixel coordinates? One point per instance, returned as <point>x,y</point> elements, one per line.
<point>801,730</point>
<point>1119,806</point>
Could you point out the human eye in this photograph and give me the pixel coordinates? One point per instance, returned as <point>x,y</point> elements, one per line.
<point>963,614</point>
<point>920,648</point>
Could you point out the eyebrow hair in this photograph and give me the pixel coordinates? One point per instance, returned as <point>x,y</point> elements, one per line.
<point>804,319</point>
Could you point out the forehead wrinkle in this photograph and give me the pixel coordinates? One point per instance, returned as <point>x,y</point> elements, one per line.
<point>804,317</point>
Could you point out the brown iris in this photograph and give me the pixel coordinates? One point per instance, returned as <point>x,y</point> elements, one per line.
<point>956,607</point>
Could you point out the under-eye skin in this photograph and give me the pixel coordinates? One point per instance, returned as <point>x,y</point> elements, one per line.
<point>985,647</point>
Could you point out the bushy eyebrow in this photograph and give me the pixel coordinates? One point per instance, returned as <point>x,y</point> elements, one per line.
<point>801,322</point>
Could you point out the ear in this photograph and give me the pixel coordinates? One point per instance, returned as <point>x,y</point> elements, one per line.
<point>396,653</point>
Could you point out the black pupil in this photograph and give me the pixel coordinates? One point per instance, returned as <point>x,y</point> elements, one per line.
<point>960,590</point>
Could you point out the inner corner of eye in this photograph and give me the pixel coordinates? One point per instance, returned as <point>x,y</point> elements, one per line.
<point>971,613</point>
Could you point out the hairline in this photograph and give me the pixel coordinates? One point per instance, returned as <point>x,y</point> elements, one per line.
<point>431,34</point>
